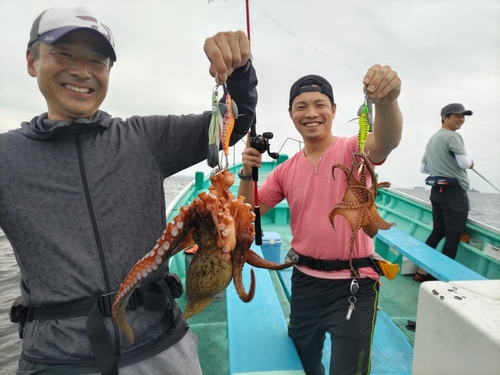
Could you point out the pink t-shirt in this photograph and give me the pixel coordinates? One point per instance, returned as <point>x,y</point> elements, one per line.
<point>312,193</point>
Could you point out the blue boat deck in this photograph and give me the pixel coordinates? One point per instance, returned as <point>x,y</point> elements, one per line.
<point>251,338</point>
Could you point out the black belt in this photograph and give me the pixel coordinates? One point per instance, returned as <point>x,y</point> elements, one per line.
<point>333,265</point>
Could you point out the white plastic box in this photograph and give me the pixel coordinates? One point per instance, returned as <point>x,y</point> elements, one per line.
<point>408,267</point>
<point>458,328</point>
<point>271,246</point>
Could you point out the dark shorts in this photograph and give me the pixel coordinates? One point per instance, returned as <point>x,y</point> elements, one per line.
<point>450,206</point>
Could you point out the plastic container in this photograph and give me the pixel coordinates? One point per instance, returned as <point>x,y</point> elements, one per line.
<point>458,330</point>
<point>408,267</point>
<point>271,246</point>
<point>478,244</point>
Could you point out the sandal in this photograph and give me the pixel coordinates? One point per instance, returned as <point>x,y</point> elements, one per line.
<point>419,278</point>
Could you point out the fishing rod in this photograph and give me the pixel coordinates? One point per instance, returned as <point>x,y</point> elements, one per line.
<point>480,175</point>
<point>255,170</point>
<point>260,143</point>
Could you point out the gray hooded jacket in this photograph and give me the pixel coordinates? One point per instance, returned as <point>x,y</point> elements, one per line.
<point>82,201</point>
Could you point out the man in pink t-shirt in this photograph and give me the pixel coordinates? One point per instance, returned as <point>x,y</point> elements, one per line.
<point>322,283</point>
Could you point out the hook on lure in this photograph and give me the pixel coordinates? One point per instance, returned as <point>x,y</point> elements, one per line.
<point>224,114</point>
<point>365,121</point>
<point>230,114</point>
<point>214,130</point>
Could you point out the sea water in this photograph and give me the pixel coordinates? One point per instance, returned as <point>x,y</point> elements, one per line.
<point>485,208</point>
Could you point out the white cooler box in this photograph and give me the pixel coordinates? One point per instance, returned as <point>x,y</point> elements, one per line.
<point>458,328</point>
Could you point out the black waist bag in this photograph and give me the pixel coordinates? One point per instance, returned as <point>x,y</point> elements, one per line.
<point>441,181</point>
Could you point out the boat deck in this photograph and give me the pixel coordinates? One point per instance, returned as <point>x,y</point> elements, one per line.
<point>211,328</point>
<point>397,301</point>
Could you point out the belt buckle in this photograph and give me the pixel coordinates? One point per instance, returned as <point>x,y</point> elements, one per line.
<point>292,256</point>
<point>105,302</point>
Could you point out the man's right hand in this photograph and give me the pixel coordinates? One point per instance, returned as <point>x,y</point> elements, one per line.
<point>226,51</point>
<point>250,157</point>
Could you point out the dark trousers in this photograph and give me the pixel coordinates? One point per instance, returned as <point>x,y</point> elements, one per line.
<point>319,306</point>
<point>450,207</point>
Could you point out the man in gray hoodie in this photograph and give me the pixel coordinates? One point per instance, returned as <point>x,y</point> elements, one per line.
<point>81,200</point>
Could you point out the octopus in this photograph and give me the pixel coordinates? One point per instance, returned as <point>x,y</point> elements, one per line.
<point>358,204</point>
<point>222,227</point>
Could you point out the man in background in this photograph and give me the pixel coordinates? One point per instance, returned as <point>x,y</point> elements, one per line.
<point>446,161</point>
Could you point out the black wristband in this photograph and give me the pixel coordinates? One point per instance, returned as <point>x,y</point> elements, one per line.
<point>243,177</point>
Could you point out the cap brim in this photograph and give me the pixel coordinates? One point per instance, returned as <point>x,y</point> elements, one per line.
<point>53,36</point>
<point>466,113</point>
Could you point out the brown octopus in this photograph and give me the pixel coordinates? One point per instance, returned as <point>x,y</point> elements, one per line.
<point>222,227</point>
<point>358,205</point>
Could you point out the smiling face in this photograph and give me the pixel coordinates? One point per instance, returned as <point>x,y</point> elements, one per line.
<point>312,114</point>
<point>72,75</point>
<point>453,122</point>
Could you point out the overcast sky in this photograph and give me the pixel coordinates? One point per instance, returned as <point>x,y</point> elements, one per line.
<point>444,51</point>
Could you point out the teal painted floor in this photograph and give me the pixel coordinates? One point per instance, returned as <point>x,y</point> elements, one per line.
<point>398,299</point>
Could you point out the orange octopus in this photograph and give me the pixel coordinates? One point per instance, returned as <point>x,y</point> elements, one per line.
<point>222,227</point>
<point>358,205</point>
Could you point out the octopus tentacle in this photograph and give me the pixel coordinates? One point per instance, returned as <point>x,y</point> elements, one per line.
<point>245,236</point>
<point>238,281</point>
<point>166,246</point>
<point>256,260</point>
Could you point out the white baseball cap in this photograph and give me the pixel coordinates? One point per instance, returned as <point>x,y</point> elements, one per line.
<point>52,24</point>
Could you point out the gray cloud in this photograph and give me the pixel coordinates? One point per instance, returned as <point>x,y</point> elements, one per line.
<point>443,50</point>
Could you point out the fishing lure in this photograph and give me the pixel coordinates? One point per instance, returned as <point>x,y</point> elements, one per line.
<point>214,130</point>
<point>230,114</point>
<point>365,122</point>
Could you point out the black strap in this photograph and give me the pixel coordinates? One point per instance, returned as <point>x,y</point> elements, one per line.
<point>101,343</point>
<point>97,308</point>
<point>82,307</point>
<point>333,265</point>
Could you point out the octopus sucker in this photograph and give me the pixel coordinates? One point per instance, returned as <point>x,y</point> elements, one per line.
<point>222,227</point>
<point>358,204</point>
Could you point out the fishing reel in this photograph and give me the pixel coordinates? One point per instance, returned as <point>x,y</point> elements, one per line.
<point>261,144</point>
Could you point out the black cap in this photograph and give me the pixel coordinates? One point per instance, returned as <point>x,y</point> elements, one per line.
<point>455,109</point>
<point>305,84</point>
